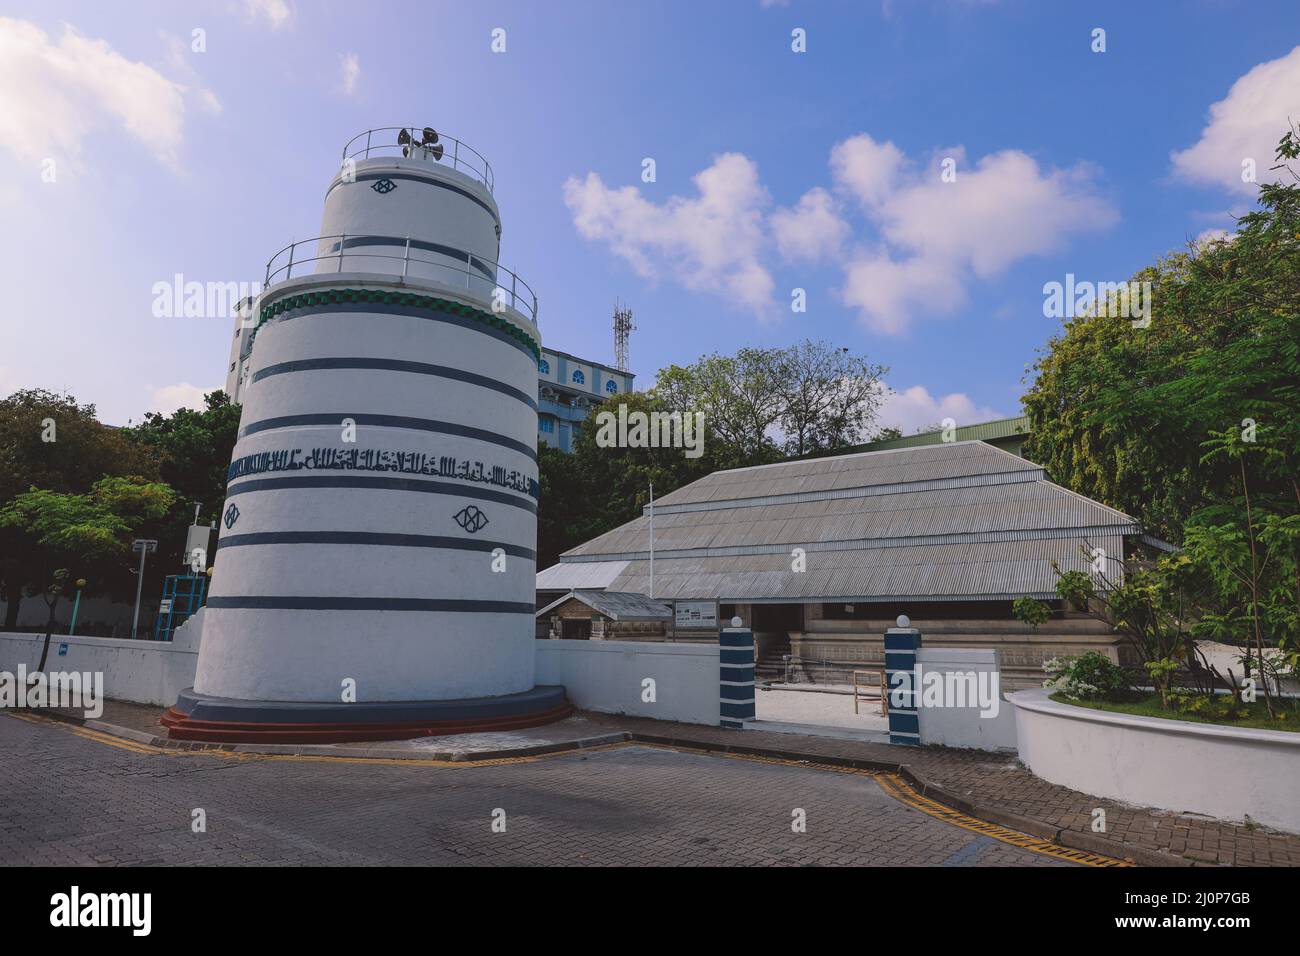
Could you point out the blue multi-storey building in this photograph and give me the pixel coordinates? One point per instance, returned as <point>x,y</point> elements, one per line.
<point>567,387</point>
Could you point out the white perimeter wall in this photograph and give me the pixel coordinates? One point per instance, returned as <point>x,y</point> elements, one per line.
<point>146,672</point>
<point>963,726</point>
<point>1225,772</point>
<point>598,675</point>
<point>606,676</point>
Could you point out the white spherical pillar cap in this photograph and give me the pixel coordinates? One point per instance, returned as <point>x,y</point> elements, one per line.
<point>736,622</point>
<point>904,621</point>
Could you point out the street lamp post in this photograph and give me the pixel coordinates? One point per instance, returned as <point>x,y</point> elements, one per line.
<point>144,546</point>
<point>72,628</point>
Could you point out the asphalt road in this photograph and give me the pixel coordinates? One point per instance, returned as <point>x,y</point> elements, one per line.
<point>69,800</point>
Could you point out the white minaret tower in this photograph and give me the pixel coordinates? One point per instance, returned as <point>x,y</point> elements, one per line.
<point>377,555</point>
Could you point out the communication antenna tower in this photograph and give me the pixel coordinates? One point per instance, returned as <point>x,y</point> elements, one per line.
<point>623,328</point>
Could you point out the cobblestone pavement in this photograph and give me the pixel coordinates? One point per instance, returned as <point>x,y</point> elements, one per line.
<point>996,783</point>
<point>66,799</point>
<point>999,782</point>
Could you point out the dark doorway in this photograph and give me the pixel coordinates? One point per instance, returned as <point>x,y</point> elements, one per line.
<point>575,629</point>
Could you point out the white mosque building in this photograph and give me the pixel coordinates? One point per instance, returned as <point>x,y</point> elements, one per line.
<point>374,575</point>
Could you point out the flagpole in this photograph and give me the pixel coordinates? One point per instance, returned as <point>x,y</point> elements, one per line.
<point>652,540</point>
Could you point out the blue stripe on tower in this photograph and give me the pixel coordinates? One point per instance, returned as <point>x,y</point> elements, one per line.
<point>316,603</point>
<point>735,677</point>
<point>338,363</point>
<point>407,422</point>
<point>406,311</point>
<point>426,180</point>
<point>378,483</point>
<point>378,539</point>
<point>900,676</point>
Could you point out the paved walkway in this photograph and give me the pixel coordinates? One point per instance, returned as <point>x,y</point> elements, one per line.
<point>69,797</point>
<point>996,787</point>
<point>992,787</point>
<point>826,707</point>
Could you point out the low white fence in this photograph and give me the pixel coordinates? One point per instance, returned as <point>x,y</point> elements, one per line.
<point>987,722</point>
<point>1225,772</point>
<point>645,679</point>
<point>146,672</point>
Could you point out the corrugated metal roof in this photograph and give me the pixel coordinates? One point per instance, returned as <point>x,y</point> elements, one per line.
<point>982,431</point>
<point>617,605</point>
<point>943,522</point>
<point>1033,506</point>
<point>863,470</point>
<point>572,577</point>
<point>952,572</point>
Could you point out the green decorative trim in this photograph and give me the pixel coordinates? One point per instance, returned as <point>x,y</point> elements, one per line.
<point>410,299</point>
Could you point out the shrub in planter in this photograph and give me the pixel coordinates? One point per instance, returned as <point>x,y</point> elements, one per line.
<point>1091,676</point>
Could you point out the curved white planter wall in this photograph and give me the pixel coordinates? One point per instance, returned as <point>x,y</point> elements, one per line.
<point>1224,772</point>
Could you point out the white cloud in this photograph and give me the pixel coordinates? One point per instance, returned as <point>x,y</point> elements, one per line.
<point>1246,124</point>
<point>1003,210</point>
<point>915,407</point>
<point>866,169</point>
<point>927,239</point>
<point>812,229</point>
<point>351,72</point>
<point>939,235</point>
<point>55,96</point>
<point>167,399</point>
<point>274,13</point>
<point>180,59</point>
<point>1212,235</point>
<point>888,292</point>
<point>711,242</point>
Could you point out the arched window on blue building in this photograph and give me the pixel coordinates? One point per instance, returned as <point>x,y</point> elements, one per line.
<point>544,367</point>
<point>611,386</point>
<point>578,377</point>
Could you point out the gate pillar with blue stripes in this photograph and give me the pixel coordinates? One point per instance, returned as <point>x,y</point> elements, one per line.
<point>735,675</point>
<point>901,645</point>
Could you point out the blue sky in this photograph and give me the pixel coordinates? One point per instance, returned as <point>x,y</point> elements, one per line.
<point>774,169</point>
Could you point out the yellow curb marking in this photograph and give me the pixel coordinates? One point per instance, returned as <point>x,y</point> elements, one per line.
<point>891,783</point>
<point>898,788</point>
<point>121,743</point>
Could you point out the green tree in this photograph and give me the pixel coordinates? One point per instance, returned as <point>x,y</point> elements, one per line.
<point>740,396</point>
<point>759,405</point>
<point>1248,552</point>
<point>828,397</point>
<point>1118,413</point>
<point>194,449</point>
<point>1147,605</point>
<point>54,443</point>
<point>805,399</point>
<point>597,488</point>
<point>81,534</point>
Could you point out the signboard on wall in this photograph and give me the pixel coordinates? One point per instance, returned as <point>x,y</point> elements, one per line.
<point>696,615</point>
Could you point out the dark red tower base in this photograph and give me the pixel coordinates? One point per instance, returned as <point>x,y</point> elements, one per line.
<point>230,721</point>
